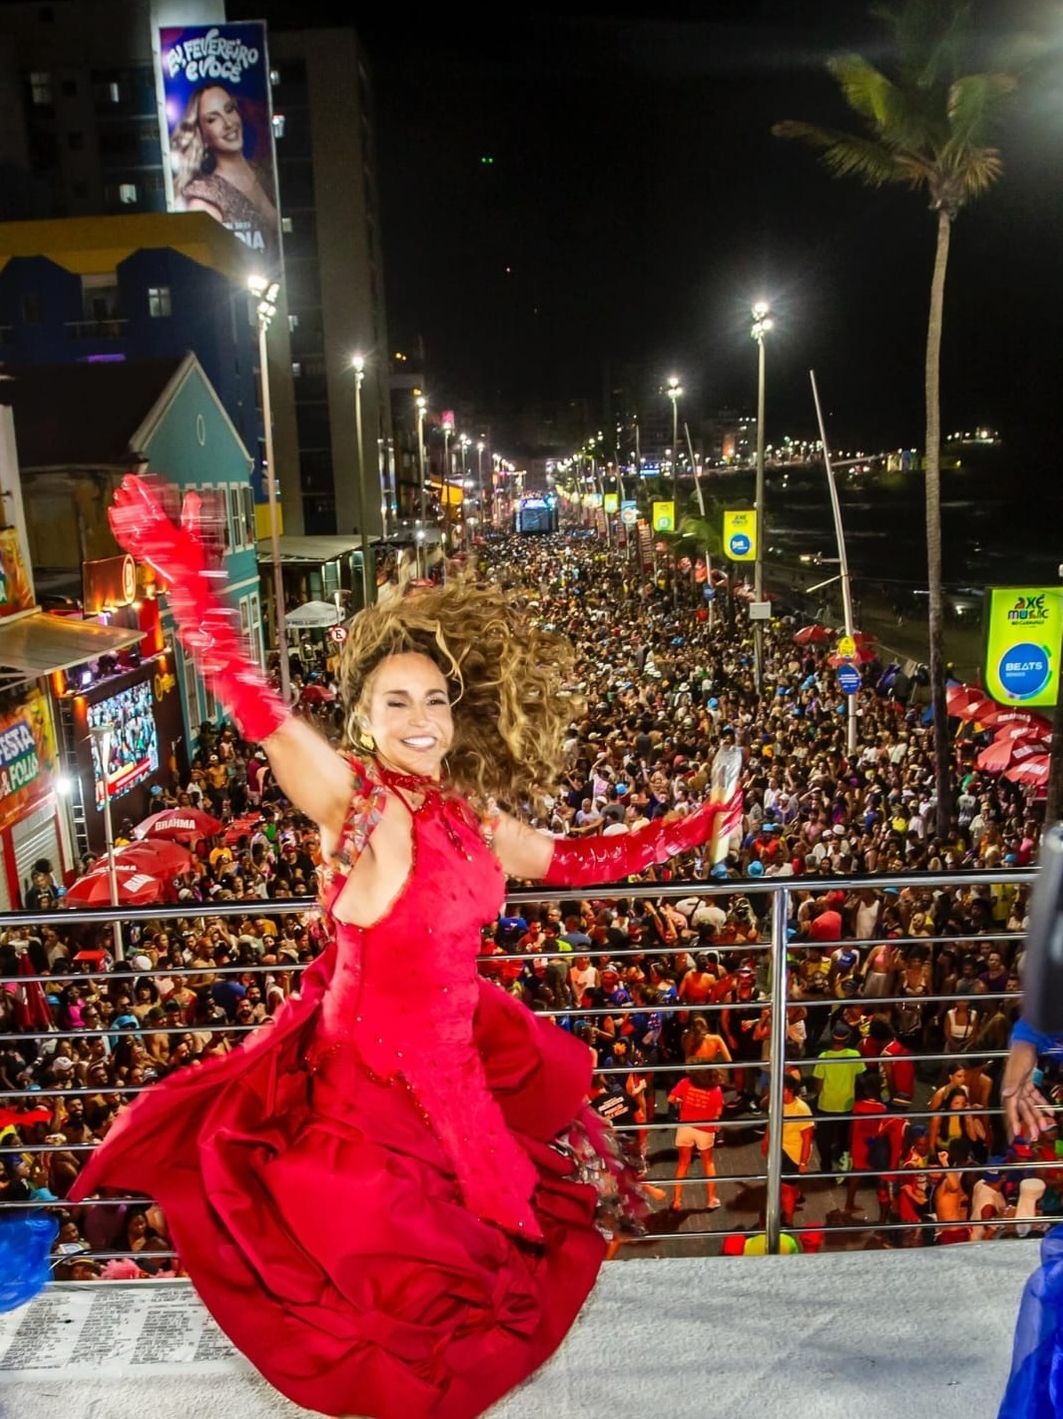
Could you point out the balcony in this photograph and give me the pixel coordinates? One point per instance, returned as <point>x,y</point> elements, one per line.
<point>868,1327</point>
<point>110,329</point>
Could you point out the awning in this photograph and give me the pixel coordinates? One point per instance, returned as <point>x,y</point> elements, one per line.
<point>314,613</point>
<point>38,644</point>
<point>312,549</point>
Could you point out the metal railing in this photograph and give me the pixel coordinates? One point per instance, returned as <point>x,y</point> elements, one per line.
<point>778,946</point>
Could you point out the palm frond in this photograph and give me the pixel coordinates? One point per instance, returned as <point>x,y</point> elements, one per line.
<point>972,105</point>
<point>866,89</point>
<point>847,154</point>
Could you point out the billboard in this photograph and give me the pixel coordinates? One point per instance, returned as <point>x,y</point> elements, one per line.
<point>740,535</point>
<point>134,743</point>
<point>664,516</point>
<point>28,755</point>
<point>214,94</point>
<point>1023,626</point>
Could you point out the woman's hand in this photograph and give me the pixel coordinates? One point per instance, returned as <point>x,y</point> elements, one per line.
<point>1026,1109</point>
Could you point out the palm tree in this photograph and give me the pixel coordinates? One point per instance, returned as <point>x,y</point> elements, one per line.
<point>924,126</point>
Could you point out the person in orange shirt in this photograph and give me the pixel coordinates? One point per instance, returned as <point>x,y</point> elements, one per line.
<point>700,1102</point>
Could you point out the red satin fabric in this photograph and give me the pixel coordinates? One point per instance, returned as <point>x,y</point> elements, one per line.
<point>330,1215</point>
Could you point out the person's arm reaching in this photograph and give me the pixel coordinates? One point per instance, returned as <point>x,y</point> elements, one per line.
<point>311,773</point>
<point>564,862</point>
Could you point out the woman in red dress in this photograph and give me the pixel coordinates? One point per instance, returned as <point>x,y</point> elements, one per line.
<point>391,1197</point>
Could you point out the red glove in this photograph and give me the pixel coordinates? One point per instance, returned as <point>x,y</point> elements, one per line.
<point>584,862</point>
<point>205,625</point>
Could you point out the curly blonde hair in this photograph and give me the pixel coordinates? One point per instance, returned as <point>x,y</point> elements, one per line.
<point>506,679</point>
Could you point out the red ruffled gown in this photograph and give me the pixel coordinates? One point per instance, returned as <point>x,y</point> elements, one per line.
<point>370,1195</point>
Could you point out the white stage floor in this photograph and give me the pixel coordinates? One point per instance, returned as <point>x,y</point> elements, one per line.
<point>878,1334</point>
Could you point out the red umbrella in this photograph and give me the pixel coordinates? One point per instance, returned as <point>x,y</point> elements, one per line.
<point>1033,771</point>
<point>181,824</point>
<point>158,856</point>
<point>241,827</point>
<point>967,702</point>
<point>998,715</point>
<point>996,758</point>
<point>317,695</point>
<point>138,886</point>
<point>812,635</point>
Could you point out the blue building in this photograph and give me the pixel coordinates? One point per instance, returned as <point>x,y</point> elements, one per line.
<point>142,287</point>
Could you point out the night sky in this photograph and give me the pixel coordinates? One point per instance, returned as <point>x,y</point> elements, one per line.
<point>640,202</point>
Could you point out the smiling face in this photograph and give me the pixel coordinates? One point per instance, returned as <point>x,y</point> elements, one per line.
<point>220,123</point>
<point>407,711</point>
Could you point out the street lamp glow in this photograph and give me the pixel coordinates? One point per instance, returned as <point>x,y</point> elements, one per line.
<point>358,363</point>
<point>760,309</point>
<point>421,403</point>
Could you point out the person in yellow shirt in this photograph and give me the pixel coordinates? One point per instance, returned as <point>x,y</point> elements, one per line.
<point>798,1134</point>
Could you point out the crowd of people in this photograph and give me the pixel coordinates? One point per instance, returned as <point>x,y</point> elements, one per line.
<point>670,994</point>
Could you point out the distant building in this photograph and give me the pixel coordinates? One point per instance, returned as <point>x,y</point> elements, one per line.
<point>160,416</point>
<point>730,437</point>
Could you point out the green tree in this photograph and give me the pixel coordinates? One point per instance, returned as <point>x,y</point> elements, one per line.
<point>925,125</point>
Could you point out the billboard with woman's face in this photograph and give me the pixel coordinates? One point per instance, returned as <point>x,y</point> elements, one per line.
<point>215,91</point>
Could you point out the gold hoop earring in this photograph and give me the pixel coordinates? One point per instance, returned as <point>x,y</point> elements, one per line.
<point>366,740</point>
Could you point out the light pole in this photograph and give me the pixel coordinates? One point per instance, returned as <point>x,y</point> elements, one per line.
<point>422,405</point>
<point>448,429</point>
<point>843,557</point>
<point>463,444</point>
<point>266,293</point>
<point>675,390</point>
<point>101,737</point>
<point>762,323</point>
<point>368,587</point>
<point>480,481</point>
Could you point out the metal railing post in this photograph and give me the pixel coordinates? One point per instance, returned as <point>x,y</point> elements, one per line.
<point>780,915</point>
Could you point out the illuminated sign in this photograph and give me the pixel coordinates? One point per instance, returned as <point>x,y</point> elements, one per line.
<point>1023,629</point>
<point>664,516</point>
<point>740,535</point>
<point>109,582</point>
<point>15,591</point>
<point>215,98</point>
<point>612,502</point>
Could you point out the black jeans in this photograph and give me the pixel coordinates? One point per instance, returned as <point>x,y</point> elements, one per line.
<point>832,1139</point>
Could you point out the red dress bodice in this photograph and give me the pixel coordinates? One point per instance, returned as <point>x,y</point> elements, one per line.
<point>404,993</point>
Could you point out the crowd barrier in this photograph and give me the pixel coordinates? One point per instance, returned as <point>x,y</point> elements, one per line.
<point>777,945</point>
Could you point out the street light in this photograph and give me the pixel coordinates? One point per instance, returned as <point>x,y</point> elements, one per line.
<point>675,391</point>
<point>762,323</point>
<point>266,293</point>
<point>448,429</point>
<point>421,404</point>
<point>358,365</point>
<point>480,477</point>
<point>101,737</point>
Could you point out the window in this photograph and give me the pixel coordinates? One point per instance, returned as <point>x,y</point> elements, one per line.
<point>41,88</point>
<point>286,225</point>
<point>75,141</point>
<point>278,125</point>
<point>293,323</point>
<point>297,369</point>
<point>114,92</point>
<point>127,193</point>
<point>32,308</point>
<point>159,306</point>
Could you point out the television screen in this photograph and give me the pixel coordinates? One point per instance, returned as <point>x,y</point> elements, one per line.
<point>134,745</point>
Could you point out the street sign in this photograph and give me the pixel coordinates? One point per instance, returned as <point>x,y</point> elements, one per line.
<point>740,535</point>
<point>849,679</point>
<point>760,610</point>
<point>337,634</point>
<point>847,648</point>
<point>629,513</point>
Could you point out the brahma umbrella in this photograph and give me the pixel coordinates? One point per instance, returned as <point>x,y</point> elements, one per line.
<point>179,824</point>
<point>138,886</point>
<point>157,855</point>
<point>996,758</point>
<point>241,828</point>
<point>812,635</point>
<point>999,715</point>
<point>968,702</point>
<point>1032,771</point>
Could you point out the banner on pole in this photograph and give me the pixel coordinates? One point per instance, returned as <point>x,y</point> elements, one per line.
<point>740,535</point>
<point>664,516</point>
<point>1023,629</point>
